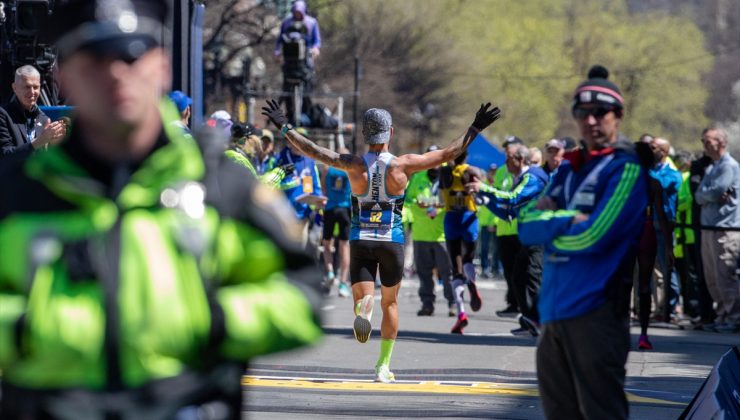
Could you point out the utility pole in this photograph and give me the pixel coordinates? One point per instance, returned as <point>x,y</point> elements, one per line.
<point>356,104</point>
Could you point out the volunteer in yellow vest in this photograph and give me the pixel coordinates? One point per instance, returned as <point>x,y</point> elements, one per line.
<point>684,237</point>
<point>424,206</point>
<point>244,149</point>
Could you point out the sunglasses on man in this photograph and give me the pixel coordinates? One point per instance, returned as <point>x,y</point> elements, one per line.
<point>598,112</point>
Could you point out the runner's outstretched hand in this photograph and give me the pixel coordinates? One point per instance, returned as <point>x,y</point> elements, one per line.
<point>485,117</point>
<point>274,113</point>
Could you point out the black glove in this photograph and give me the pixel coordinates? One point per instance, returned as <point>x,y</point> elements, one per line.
<point>274,113</point>
<point>485,117</point>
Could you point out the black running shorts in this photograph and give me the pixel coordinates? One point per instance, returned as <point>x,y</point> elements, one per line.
<point>336,216</point>
<point>366,257</point>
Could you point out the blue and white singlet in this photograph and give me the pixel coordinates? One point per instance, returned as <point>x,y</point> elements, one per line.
<point>376,215</point>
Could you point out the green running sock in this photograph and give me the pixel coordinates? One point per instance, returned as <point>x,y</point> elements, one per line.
<point>357,307</point>
<point>386,350</point>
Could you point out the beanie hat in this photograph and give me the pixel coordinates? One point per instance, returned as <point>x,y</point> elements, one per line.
<point>376,126</point>
<point>598,90</point>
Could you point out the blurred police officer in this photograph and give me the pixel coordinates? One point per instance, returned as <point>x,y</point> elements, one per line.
<point>118,299</point>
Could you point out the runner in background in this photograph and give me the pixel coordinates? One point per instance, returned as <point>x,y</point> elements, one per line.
<point>336,225</point>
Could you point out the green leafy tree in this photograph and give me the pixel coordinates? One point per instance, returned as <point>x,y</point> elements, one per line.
<point>431,62</point>
<point>530,57</point>
<point>405,60</point>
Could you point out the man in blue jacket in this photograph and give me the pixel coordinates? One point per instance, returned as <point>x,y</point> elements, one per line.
<point>529,182</point>
<point>588,223</point>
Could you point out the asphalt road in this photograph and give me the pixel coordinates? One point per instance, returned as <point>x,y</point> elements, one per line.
<point>486,373</point>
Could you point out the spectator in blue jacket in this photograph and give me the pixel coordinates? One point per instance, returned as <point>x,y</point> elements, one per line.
<point>588,223</point>
<point>529,182</point>
<point>670,182</point>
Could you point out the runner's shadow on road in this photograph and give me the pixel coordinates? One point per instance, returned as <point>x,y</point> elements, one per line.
<point>445,338</point>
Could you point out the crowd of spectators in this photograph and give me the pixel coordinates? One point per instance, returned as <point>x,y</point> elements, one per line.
<point>680,254</point>
<point>685,271</point>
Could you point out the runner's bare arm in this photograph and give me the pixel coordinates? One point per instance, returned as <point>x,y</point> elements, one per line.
<point>414,163</point>
<point>306,146</point>
<point>322,154</point>
<point>483,118</point>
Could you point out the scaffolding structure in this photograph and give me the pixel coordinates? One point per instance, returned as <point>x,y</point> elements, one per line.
<point>332,138</point>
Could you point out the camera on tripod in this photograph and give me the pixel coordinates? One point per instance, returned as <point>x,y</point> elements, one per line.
<point>295,54</point>
<point>20,23</point>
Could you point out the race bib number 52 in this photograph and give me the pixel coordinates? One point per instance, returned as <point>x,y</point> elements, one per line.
<point>376,215</point>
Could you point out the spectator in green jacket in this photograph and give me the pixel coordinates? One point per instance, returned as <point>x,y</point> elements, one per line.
<point>245,148</point>
<point>138,284</point>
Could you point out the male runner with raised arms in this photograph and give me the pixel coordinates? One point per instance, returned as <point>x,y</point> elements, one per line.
<point>378,181</point>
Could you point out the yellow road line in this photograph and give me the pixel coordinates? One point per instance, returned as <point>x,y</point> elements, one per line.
<point>426,387</point>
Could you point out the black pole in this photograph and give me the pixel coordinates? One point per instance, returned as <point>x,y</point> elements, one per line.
<point>356,104</point>
<point>667,309</point>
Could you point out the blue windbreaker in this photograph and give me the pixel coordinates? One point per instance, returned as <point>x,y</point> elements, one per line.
<point>581,259</point>
<point>528,186</point>
<point>670,181</point>
<point>303,180</point>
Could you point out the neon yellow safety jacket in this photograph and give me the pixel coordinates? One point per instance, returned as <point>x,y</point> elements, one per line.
<point>103,290</point>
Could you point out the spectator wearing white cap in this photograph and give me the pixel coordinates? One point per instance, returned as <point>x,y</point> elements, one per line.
<point>554,152</point>
<point>221,120</point>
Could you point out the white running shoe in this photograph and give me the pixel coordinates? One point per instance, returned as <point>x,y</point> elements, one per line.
<point>362,327</point>
<point>328,282</point>
<point>383,374</point>
<point>344,290</point>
